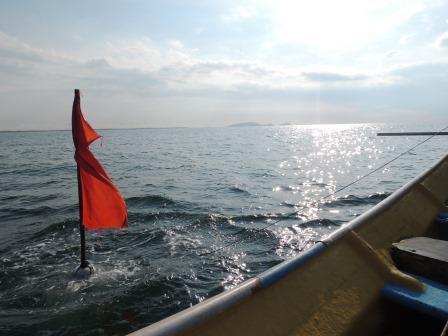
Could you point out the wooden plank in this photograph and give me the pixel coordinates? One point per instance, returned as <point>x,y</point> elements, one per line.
<point>410,133</point>
<point>422,256</point>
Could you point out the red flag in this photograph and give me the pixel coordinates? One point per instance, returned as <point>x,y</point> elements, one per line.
<point>101,203</point>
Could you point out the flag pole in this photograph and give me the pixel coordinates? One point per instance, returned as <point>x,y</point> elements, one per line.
<point>81,226</point>
<point>85,267</point>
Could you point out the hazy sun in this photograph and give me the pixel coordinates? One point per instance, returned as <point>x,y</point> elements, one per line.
<point>338,24</point>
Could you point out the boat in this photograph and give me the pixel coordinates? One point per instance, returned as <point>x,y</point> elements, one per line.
<point>347,284</point>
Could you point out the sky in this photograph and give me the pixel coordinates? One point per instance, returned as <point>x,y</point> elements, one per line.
<point>204,63</point>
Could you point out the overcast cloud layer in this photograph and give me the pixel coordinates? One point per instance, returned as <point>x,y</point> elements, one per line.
<point>172,63</point>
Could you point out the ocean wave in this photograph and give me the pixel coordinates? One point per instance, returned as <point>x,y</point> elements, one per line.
<point>289,204</point>
<point>144,237</point>
<point>60,227</point>
<point>46,170</point>
<point>32,199</point>
<point>151,200</point>
<point>39,212</point>
<point>352,200</point>
<point>272,221</point>
<point>34,186</point>
<point>321,222</point>
<point>294,239</point>
<point>239,190</point>
<point>10,197</point>
<point>286,188</point>
<point>379,196</point>
<point>262,217</point>
<point>13,213</point>
<point>257,233</point>
<point>158,201</point>
<point>143,217</point>
<point>181,220</point>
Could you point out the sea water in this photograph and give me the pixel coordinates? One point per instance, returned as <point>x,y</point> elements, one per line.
<point>208,208</point>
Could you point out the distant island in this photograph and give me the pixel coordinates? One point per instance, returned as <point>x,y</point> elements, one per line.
<point>246,124</point>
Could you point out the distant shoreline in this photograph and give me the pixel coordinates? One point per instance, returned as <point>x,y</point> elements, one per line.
<point>249,124</point>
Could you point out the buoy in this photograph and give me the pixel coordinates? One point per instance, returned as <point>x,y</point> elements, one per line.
<point>84,270</point>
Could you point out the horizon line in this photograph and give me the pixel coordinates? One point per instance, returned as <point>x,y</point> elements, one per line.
<point>176,127</point>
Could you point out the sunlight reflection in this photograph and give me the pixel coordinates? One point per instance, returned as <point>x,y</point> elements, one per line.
<point>333,156</point>
<point>294,239</point>
<point>236,268</point>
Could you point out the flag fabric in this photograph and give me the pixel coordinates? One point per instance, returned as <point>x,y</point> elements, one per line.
<point>101,203</point>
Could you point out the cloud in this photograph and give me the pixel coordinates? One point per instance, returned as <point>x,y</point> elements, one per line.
<point>12,48</point>
<point>423,71</point>
<point>144,54</point>
<point>405,39</point>
<point>168,84</point>
<point>171,68</point>
<point>333,77</point>
<point>442,40</point>
<point>24,67</point>
<point>240,12</point>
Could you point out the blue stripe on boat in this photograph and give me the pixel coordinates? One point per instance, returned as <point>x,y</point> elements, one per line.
<point>433,301</point>
<point>276,273</point>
